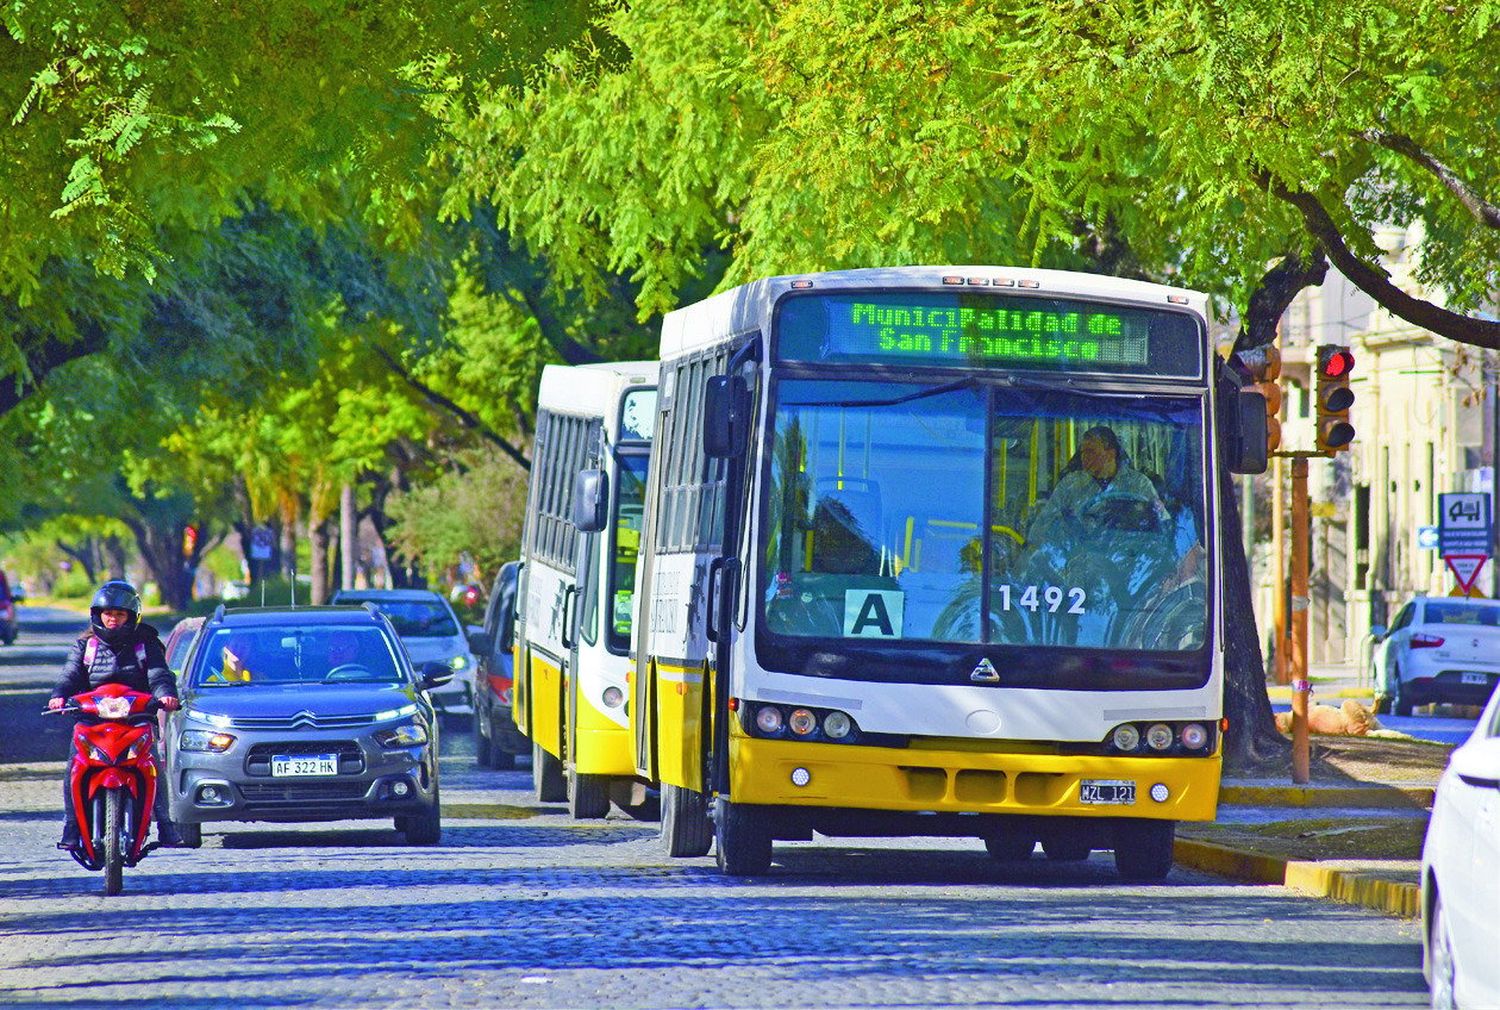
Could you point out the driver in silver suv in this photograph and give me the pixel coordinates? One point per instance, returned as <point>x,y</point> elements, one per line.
<point>308,714</point>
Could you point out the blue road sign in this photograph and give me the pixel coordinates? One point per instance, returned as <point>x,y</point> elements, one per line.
<point>1464,523</point>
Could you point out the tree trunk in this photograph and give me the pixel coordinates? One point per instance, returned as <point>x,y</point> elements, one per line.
<point>115,559</point>
<point>317,539</point>
<point>348,536</point>
<point>1253,741</point>
<point>287,541</point>
<point>84,554</point>
<point>161,549</point>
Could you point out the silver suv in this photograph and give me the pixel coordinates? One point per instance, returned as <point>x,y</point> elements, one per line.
<point>307,714</point>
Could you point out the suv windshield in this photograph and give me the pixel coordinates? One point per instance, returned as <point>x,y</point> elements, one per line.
<point>322,654</point>
<point>964,514</point>
<point>412,618</point>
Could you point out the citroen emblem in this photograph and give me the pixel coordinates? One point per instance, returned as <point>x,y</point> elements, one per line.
<point>304,718</point>
<point>985,672</point>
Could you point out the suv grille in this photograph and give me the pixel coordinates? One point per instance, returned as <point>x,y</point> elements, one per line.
<point>303,721</point>
<point>291,792</point>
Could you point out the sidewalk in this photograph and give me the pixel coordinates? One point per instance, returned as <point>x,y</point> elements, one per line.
<point>1353,834</point>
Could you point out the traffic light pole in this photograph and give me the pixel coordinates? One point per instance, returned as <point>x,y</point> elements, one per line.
<point>1301,685</point>
<point>1297,666</point>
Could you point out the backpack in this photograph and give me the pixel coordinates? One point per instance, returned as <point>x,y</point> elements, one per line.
<point>91,649</point>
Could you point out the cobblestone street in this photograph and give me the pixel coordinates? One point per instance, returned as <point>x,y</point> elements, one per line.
<point>523,907</point>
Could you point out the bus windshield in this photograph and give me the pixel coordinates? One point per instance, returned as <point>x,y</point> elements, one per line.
<point>629,507</point>
<point>964,513</point>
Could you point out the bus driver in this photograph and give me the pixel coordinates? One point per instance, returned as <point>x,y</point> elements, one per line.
<point>1100,473</point>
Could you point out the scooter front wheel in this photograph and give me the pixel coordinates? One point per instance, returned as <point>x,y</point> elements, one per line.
<point>114,842</point>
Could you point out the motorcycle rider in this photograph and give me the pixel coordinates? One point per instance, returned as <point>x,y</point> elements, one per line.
<point>118,649</point>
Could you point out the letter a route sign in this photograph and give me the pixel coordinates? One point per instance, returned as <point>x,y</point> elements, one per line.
<point>1466,568</point>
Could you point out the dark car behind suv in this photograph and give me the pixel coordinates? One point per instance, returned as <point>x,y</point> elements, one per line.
<point>8,622</point>
<point>496,739</point>
<point>307,714</point>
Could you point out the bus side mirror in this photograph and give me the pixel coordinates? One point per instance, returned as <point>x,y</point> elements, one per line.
<point>726,412</point>
<point>590,501</point>
<point>1245,431</point>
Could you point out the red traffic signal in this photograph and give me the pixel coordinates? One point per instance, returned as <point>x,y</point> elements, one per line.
<point>1334,398</point>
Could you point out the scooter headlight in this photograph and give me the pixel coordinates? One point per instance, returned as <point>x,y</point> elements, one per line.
<point>112,708</point>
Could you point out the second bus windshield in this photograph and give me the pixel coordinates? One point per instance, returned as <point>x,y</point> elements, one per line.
<point>1095,516</point>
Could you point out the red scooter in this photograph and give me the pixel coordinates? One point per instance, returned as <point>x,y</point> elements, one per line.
<point>113,782</point>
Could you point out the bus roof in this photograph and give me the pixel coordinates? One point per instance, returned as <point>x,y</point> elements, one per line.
<point>592,390</point>
<point>747,308</point>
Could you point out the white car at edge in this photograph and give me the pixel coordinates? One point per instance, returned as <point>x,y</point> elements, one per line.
<point>1461,874</point>
<point>431,632</point>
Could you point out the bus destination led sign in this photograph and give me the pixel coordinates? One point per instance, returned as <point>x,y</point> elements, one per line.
<point>972,330</point>
<point>996,334</point>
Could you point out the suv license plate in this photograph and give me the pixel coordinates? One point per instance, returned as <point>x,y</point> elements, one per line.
<point>283,766</point>
<point>1474,678</point>
<point>1107,792</point>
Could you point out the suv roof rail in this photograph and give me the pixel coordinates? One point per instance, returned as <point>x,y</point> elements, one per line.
<point>218,614</point>
<point>369,605</point>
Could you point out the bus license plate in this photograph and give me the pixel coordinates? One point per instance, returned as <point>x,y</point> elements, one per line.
<point>1474,678</point>
<point>1107,792</point>
<point>302,765</point>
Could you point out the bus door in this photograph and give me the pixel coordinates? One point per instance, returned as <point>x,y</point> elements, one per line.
<point>727,415</point>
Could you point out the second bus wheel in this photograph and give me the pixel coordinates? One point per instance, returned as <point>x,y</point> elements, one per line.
<point>1143,848</point>
<point>588,796</point>
<point>742,839</point>
<point>686,830</point>
<point>547,776</point>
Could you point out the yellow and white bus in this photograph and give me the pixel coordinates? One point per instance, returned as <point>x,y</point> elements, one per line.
<point>933,550</point>
<point>577,586</point>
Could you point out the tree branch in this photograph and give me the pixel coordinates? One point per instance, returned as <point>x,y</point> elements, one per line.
<point>1376,283</point>
<point>54,353</point>
<point>468,420</point>
<point>1486,213</point>
<point>1282,283</point>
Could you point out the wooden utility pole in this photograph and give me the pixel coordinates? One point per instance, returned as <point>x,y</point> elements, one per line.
<point>1278,564</point>
<point>1301,686</point>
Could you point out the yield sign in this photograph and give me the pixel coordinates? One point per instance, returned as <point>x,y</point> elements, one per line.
<point>1465,568</point>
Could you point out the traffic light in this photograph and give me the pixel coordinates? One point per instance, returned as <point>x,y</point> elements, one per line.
<point>1335,364</point>
<point>1263,366</point>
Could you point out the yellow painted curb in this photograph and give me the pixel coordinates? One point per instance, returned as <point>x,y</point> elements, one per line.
<point>1351,887</point>
<point>1328,796</point>
<point>1355,888</point>
<point>1281,692</point>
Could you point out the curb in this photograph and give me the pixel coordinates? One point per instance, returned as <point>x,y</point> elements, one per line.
<point>1280,692</point>
<point>1384,797</point>
<point>1352,887</point>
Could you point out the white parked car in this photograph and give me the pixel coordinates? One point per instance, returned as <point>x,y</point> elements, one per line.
<point>1438,649</point>
<point>431,632</point>
<point>1461,874</point>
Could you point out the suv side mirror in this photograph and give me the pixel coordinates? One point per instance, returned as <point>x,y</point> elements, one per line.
<point>436,674</point>
<point>591,501</point>
<point>480,643</point>
<point>726,415</point>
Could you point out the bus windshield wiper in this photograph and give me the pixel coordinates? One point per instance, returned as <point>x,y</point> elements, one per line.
<point>921,394</point>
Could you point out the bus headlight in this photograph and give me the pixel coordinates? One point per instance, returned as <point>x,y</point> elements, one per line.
<point>1159,736</point>
<point>1194,736</point>
<point>836,725</point>
<point>802,722</point>
<point>768,719</point>
<point>1126,737</point>
<point>613,696</point>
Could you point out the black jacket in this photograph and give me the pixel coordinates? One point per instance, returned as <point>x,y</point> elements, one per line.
<point>118,665</point>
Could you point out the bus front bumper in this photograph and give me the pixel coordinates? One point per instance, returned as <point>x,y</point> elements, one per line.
<point>962,781</point>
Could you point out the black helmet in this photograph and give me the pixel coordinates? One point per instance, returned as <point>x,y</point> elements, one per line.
<point>115,594</point>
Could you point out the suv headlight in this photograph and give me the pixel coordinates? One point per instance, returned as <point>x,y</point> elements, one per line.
<point>204,740</point>
<point>402,736</point>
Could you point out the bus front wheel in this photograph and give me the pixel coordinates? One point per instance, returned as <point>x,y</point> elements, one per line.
<point>588,796</point>
<point>1143,848</point>
<point>742,839</point>
<point>547,776</point>
<point>686,830</point>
